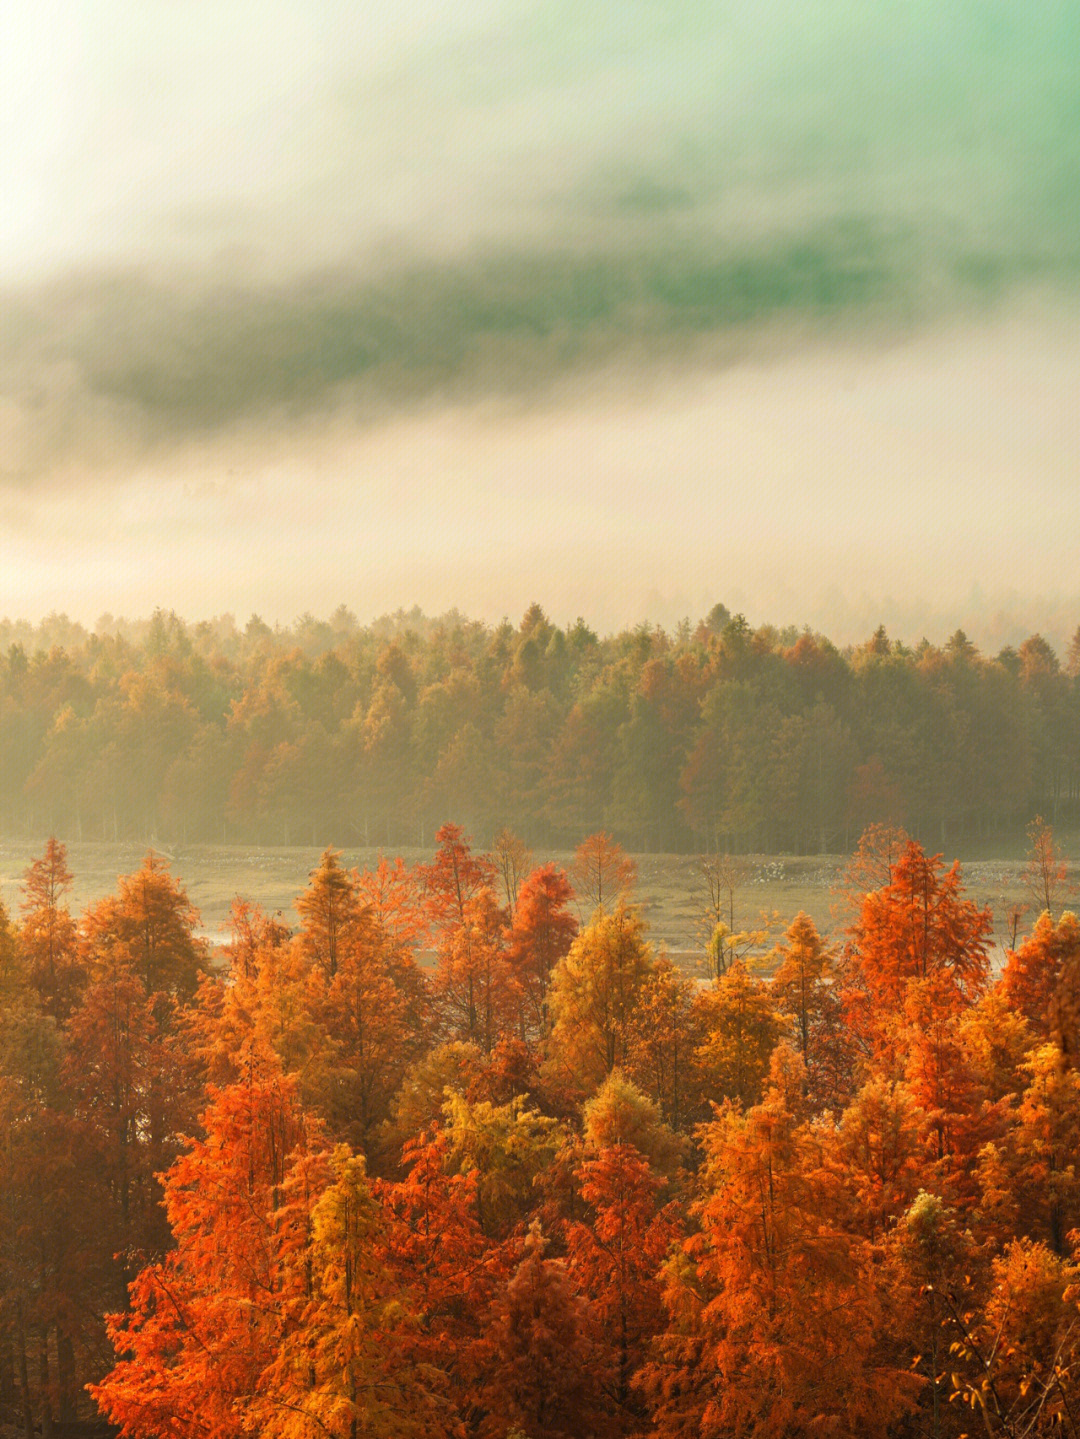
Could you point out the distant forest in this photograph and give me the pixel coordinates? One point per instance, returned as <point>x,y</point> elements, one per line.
<point>717,734</point>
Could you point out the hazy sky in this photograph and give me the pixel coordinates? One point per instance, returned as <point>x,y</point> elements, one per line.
<point>626,307</point>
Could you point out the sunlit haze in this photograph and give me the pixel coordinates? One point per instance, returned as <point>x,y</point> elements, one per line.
<point>626,308</point>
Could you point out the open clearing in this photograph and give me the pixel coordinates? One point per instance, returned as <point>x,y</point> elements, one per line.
<point>669,886</point>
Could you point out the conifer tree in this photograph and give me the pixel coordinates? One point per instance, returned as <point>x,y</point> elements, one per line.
<point>546,1371</point>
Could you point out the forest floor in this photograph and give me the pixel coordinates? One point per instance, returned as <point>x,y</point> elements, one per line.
<point>669,885</point>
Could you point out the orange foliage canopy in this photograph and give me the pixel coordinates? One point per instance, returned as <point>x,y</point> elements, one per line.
<point>1033,971</point>
<point>773,1326</point>
<point>914,928</point>
<point>207,1321</point>
<point>821,1204</point>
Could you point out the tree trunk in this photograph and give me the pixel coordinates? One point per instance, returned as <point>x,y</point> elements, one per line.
<point>7,1373</point>
<point>65,1375</point>
<point>43,1384</point>
<point>24,1374</point>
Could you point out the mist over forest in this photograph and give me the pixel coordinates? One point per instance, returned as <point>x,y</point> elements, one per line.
<point>714,736</point>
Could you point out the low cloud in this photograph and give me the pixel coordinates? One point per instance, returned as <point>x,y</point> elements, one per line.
<point>839,484</point>
<point>596,282</point>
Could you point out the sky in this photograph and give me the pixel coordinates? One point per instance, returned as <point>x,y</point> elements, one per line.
<point>628,308</point>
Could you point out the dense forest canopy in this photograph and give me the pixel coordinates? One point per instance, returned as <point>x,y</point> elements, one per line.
<point>715,735</point>
<point>548,1185</point>
<point>630,306</point>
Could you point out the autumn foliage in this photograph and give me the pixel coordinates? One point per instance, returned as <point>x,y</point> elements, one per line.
<point>460,1153</point>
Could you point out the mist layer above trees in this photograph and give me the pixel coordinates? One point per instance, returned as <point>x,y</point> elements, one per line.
<point>714,735</point>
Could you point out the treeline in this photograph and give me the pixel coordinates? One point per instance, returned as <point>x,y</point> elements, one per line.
<point>716,736</point>
<point>550,1188</point>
